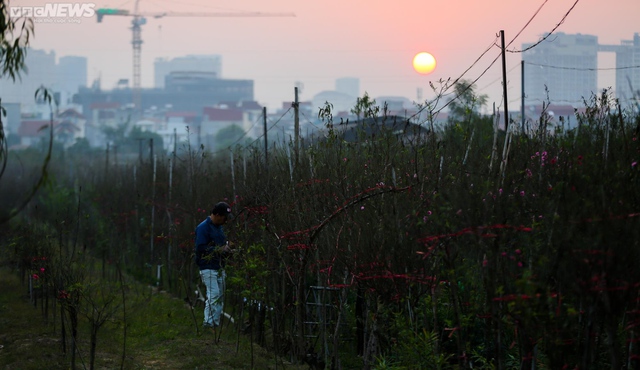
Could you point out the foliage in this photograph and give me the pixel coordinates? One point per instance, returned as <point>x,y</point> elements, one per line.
<point>466,104</point>
<point>15,34</point>
<point>6,215</point>
<point>229,136</point>
<point>160,335</point>
<point>465,247</point>
<point>14,39</point>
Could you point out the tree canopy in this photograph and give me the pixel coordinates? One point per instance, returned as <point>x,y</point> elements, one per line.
<point>466,103</point>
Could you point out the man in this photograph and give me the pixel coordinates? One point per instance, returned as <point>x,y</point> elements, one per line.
<point>211,252</point>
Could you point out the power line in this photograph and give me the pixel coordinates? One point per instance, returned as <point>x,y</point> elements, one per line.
<point>499,78</point>
<point>232,144</point>
<point>472,65</point>
<point>494,61</point>
<point>490,65</point>
<point>582,69</point>
<point>308,120</point>
<point>241,137</point>
<point>470,85</point>
<point>548,34</point>
<point>249,130</point>
<point>246,132</point>
<point>269,129</point>
<point>527,24</point>
<point>458,79</point>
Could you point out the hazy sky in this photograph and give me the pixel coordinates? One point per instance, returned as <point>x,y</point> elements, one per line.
<point>372,40</point>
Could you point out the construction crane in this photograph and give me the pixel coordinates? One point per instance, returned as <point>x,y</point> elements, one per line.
<point>140,18</point>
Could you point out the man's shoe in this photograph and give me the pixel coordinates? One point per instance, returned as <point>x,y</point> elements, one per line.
<point>206,325</point>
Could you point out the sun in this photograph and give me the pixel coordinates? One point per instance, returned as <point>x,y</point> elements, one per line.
<point>424,63</point>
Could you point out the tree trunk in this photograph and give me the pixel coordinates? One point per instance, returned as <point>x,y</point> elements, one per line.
<point>360,320</point>
<point>73,317</point>
<point>63,331</point>
<point>94,340</point>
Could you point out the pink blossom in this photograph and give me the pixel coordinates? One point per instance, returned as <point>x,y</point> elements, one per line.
<point>63,294</point>
<point>634,164</point>
<point>518,251</point>
<point>519,264</point>
<point>522,193</point>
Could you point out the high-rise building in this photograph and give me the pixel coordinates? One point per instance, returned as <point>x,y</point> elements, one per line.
<point>63,79</point>
<point>189,63</point>
<point>349,86</point>
<point>41,71</point>
<point>563,66</point>
<point>627,70</point>
<point>72,75</point>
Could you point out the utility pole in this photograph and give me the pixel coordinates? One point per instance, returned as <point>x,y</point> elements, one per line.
<point>504,84</point>
<point>233,174</point>
<point>115,155</point>
<point>296,122</point>
<point>151,149</point>
<point>522,108</point>
<point>153,205</point>
<point>266,153</point>
<point>106,165</point>
<point>172,163</point>
<point>140,150</point>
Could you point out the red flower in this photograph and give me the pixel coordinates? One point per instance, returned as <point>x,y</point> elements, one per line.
<point>63,294</point>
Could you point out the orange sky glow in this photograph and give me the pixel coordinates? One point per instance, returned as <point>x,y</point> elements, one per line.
<point>374,41</point>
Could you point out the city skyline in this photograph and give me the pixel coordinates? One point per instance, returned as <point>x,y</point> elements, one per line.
<point>325,42</point>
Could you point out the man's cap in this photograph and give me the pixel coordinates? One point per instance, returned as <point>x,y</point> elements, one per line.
<point>221,208</point>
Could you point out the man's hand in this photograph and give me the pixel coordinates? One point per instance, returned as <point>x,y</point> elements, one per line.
<point>228,248</point>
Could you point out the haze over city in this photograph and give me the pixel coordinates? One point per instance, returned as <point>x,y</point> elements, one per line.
<point>372,41</point>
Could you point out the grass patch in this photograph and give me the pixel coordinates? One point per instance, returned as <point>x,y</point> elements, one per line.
<point>160,334</point>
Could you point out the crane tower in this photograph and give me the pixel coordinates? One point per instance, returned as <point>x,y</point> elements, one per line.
<point>140,18</point>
